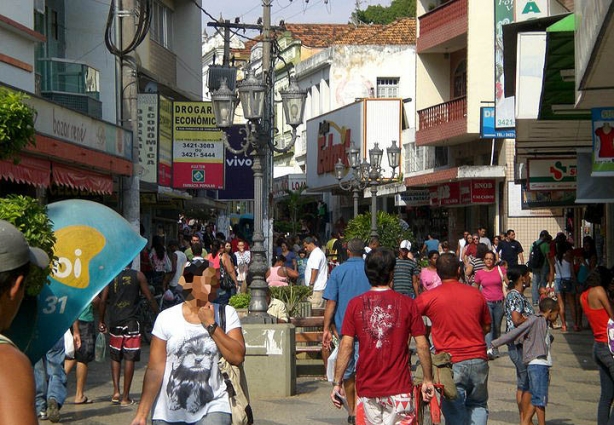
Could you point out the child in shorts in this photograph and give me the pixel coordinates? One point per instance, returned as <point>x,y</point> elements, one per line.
<point>534,335</point>
<point>301,263</point>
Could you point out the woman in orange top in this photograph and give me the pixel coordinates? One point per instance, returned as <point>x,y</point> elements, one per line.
<point>598,309</point>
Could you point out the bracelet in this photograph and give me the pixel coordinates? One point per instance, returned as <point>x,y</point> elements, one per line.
<point>336,384</point>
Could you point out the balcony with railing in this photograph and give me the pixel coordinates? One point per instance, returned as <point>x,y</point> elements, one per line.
<point>444,28</point>
<point>441,122</point>
<point>75,85</point>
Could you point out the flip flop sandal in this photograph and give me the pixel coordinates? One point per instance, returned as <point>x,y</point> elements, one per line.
<point>115,401</point>
<point>84,401</point>
<point>129,403</point>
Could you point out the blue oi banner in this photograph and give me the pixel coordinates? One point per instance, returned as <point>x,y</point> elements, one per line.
<point>94,244</point>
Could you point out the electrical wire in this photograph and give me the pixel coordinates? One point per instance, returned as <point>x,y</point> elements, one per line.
<point>144,13</point>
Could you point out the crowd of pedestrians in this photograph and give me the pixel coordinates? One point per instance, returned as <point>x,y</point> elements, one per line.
<point>374,299</point>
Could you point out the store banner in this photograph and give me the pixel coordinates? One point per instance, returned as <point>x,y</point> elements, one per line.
<point>291,182</point>
<point>198,150</point>
<point>165,143</point>
<point>449,194</point>
<point>552,174</point>
<point>412,198</point>
<point>480,191</point>
<point>239,180</point>
<point>147,136</point>
<point>603,142</point>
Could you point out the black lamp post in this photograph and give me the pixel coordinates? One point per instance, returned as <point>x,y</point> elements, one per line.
<point>255,95</point>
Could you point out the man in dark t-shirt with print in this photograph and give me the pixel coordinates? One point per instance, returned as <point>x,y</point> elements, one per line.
<point>123,295</point>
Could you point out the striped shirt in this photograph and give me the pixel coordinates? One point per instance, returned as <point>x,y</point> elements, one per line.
<point>404,271</point>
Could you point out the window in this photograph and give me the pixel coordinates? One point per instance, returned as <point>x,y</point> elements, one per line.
<point>162,25</point>
<point>460,79</point>
<point>388,87</point>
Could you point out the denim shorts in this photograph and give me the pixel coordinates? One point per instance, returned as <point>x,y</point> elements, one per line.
<point>564,285</point>
<point>539,379</point>
<point>522,379</point>
<point>350,370</point>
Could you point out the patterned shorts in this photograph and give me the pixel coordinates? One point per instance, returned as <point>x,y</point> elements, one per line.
<point>125,342</point>
<point>391,410</point>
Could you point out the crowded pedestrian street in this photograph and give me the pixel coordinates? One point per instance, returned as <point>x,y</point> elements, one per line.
<point>574,392</point>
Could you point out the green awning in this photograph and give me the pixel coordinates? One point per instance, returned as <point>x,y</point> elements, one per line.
<point>565,24</point>
<point>558,91</point>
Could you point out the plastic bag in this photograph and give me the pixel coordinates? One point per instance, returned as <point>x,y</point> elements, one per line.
<point>610,329</point>
<point>101,348</point>
<point>69,345</point>
<point>330,366</point>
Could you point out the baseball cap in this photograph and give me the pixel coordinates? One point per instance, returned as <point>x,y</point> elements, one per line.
<point>15,251</point>
<point>405,245</point>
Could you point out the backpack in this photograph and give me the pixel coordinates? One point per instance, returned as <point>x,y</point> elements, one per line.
<point>536,257</point>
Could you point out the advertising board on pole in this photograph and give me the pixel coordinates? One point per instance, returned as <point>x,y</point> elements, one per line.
<point>198,150</point>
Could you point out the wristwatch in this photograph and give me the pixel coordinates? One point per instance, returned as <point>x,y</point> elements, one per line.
<point>211,328</point>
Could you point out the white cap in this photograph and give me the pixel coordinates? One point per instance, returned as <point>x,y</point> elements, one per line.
<point>405,245</point>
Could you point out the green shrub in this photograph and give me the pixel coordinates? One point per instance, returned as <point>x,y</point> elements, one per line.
<point>389,228</point>
<point>290,295</point>
<point>30,217</point>
<point>16,124</point>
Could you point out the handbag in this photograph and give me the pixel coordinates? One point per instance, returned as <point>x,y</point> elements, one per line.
<point>442,374</point>
<point>236,384</point>
<point>226,281</point>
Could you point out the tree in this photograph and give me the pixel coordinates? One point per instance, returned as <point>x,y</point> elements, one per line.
<point>381,15</point>
<point>16,124</point>
<point>389,227</point>
<point>295,200</point>
<point>30,217</point>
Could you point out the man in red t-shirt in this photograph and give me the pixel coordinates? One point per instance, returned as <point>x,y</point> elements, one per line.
<point>460,318</point>
<point>382,321</point>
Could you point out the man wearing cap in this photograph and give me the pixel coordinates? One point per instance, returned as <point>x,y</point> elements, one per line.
<point>348,280</point>
<point>406,272</point>
<point>16,374</point>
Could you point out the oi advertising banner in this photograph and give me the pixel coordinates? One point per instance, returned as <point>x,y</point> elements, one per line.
<point>93,245</point>
<point>603,142</point>
<point>198,150</point>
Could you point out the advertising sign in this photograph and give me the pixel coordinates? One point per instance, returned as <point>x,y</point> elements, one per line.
<point>198,150</point>
<point>147,136</point>
<point>507,12</point>
<point>165,143</point>
<point>412,198</point>
<point>477,192</point>
<point>93,245</point>
<point>239,180</point>
<point>487,126</point>
<point>603,142</point>
<point>292,182</point>
<point>551,174</point>
<point>449,194</point>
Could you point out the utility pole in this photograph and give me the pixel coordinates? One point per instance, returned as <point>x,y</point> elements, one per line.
<point>129,92</point>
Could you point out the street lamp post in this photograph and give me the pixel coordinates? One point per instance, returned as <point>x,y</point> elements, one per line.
<point>255,96</point>
<point>360,175</point>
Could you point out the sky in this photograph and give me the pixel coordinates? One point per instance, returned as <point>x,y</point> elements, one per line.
<point>292,11</point>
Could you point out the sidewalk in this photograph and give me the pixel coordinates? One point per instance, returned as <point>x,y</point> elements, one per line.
<point>574,392</point>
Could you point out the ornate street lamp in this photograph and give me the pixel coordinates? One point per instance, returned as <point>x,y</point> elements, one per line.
<point>360,175</point>
<point>255,96</point>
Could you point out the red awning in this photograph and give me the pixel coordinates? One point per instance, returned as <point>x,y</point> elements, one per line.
<point>82,179</point>
<point>29,170</point>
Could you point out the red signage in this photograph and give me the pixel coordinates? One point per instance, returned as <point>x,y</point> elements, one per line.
<point>483,191</point>
<point>329,153</point>
<point>449,194</point>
